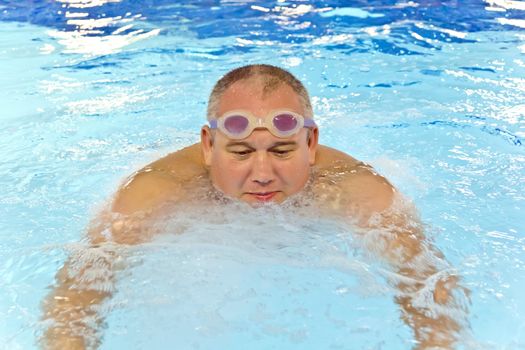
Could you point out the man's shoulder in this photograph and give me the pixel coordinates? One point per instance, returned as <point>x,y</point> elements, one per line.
<point>327,156</point>
<point>356,184</point>
<point>159,182</point>
<point>182,163</point>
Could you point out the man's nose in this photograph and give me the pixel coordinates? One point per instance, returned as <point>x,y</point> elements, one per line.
<point>262,169</point>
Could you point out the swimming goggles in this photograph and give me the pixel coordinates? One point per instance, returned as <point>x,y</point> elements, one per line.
<point>238,124</point>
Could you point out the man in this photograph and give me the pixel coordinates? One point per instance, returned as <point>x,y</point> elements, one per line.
<point>263,166</point>
<point>261,145</point>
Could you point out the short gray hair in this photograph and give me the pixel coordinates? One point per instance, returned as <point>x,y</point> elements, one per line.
<point>272,78</point>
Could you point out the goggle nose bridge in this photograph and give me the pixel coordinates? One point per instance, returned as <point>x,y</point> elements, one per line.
<point>260,122</point>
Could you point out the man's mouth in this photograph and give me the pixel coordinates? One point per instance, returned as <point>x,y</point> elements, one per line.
<point>263,196</point>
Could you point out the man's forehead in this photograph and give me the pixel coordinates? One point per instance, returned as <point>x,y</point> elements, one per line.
<point>251,94</point>
<point>256,87</point>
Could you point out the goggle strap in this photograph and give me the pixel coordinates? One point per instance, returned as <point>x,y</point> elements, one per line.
<point>309,123</point>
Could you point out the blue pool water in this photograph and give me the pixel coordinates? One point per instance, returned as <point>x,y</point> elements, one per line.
<point>431,93</point>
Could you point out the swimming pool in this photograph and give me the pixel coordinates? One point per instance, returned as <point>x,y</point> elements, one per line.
<point>430,93</point>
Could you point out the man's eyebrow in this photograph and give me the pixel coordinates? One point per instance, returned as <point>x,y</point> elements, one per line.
<point>238,143</point>
<point>284,143</point>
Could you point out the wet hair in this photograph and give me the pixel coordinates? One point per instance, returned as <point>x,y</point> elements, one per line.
<point>271,78</point>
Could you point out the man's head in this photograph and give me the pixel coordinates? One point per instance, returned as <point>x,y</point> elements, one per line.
<point>262,166</point>
<point>269,77</point>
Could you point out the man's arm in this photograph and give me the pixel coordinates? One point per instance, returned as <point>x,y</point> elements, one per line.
<point>433,303</point>
<point>72,310</point>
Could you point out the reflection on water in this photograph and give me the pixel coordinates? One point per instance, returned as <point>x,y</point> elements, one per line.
<point>96,36</point>
<point>445,124</point>
<point>86,3</point>
<point>503,5</point>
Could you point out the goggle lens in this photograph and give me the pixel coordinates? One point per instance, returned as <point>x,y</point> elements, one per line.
<point>236,124</point>
<point>284,122</point>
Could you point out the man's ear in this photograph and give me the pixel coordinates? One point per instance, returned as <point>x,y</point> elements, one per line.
<point>206,144</point>
<point>313,141</point>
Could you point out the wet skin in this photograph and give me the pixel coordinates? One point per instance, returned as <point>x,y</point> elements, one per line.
<point>258,169</point>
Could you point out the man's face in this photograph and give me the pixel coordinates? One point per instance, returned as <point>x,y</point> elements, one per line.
<point>261,167</point>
